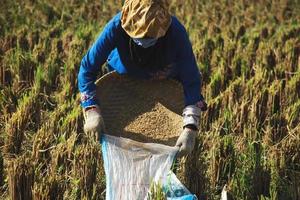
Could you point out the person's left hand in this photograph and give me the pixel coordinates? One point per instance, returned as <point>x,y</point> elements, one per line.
<point>186,141</point>
<point>94,123</point>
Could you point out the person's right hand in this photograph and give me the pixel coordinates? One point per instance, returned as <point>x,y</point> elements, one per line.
<point>186,142</point>
<point>94,122</point>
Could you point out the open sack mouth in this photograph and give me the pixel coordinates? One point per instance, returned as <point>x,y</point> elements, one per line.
<point>136,170</point>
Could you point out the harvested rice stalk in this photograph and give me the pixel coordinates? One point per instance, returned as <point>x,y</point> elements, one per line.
<point>18,123</point>
<point>44,139</point>
<point>42,144</point>
<point>192,170</point>
<point>62,155</point>
<point>72,122</point>
<point>21,177</point>
<point>1,170</point>
<point>49,188</point>
<point>87,158</point>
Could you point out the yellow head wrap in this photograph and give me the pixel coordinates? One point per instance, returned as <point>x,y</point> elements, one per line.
<point>146,18</point>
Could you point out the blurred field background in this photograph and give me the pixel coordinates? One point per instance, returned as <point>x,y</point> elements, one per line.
<point>249,55</point>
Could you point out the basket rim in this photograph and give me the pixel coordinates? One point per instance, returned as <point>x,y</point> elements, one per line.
<point>116,74</point>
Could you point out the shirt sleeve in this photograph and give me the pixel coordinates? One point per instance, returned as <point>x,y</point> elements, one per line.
<point>189,74</point>
<point>92,62</point>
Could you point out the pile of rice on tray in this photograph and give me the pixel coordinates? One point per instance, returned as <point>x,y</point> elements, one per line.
<point>142,110</point>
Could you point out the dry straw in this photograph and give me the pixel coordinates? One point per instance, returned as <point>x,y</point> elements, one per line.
<point>21,177</point>
<point>87,158</point>
<point>18,123</point>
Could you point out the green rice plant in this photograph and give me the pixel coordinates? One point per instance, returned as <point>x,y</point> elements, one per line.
<point>215,84</point>
<point>156,192</point>
<point>39,79</point>
<point>242,183</point>
<point>22,66</point>
<point>285,180</point>
<point>206,56</point>
<point>275,179</point>
<point>65,94</point>
<point>292,90</point>
<point>53,64</point>
<point>211,115</point>
<point>223,163</point>
<point>73,121</point>
<point>293,114</point>
<point>245,69</point>
<point>227,119</point>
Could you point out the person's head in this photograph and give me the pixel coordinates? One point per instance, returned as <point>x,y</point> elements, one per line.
<point>145,20</point>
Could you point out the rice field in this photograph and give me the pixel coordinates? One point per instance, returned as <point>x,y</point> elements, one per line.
<point>249,56</point>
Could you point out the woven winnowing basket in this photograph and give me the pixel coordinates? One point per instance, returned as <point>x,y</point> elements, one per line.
<point>143,110</point>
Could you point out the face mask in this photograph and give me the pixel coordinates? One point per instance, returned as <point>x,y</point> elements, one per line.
<point>145,42</point>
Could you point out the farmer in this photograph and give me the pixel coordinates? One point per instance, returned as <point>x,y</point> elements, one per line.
<point>146,42</point>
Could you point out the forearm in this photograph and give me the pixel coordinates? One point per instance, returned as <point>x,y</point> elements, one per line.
<point>92,62</point>
<point>87,87</point>
<point>195,103</point>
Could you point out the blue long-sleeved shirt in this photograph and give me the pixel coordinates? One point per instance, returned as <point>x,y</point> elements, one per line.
<point>112,46</point>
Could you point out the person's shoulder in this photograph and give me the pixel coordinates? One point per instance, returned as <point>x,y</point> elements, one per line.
<point>178,32</point>
<point>116,20</point>
<point>177,26</point>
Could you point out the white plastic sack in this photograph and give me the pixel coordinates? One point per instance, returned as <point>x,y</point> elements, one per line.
<point>131,167</point>
<point>175,190</point>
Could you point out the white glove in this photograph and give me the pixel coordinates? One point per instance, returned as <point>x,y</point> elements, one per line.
<point>93,122</point>
<point>186,141</point>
